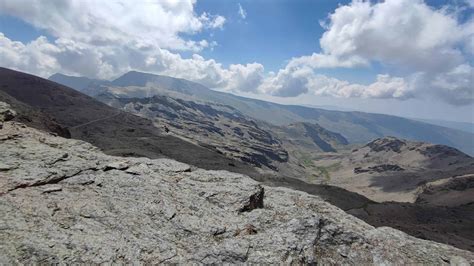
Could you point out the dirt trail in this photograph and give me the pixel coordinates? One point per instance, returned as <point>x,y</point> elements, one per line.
<point>96,120</point>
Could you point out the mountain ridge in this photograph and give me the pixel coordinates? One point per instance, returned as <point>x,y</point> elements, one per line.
<point>357,127</point>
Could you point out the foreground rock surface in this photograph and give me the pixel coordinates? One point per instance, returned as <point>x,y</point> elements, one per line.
<point>63,201</point>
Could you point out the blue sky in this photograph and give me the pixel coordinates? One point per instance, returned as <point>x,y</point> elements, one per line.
<point>390,62</point>
<point>273,32</point>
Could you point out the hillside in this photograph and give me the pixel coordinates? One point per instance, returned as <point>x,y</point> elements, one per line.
<point>217,127</point>
<point>115,132</point>
<point>392,169</point>
<point>356,127</point>
<point>313,137</point>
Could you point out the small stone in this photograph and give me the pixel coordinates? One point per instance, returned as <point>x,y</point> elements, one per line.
<point>6,114</point>
<point>255,200</point>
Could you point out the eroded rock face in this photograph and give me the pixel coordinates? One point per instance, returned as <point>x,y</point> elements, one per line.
<point>63,201</point>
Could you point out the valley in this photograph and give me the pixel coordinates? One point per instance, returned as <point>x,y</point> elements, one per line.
<point>386,182</point>
<point>385,169</point>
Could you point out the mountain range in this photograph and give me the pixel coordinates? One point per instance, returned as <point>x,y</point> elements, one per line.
<point>356,127</point>
<point>386,181</point>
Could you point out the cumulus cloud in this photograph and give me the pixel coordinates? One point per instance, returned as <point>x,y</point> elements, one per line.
<point>37,57</point>
<point>242,12</point>
<point>290,82</point>
<point>401,32</point>
<point>246,78</point>
<point>153,23</point>
<point>105,39</point>
<point>44,58</point>
<point>407,35</point>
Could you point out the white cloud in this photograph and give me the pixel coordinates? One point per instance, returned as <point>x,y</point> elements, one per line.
<point>152,23</point>
<point>212,22</point>
<point>291,82</point>
<point>406,35</point>
<point>105,40</point>
<point>288,82</point>
<point>455,86</point>
<point>242,12</point>
<point>384,87</point>
<point>44,58</point>
<point>245,78</point>
<point>37,57</point>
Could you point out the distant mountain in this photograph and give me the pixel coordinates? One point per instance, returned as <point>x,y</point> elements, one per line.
<point>464,126</point>
<point>356,127</point>
<point>330,107</point>
<point>81,84</point>
<point>114,131</point>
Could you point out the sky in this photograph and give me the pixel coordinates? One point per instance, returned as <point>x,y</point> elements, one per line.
<point>410,58</point>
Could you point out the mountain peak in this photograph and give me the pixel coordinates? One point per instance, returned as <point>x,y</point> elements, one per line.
<point>57,75</point>
<point>135,78</point>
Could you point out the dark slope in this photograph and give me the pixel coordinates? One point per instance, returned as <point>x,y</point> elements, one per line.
<point>356,127</point>
<point>114,131</point>
<point>33,117</point>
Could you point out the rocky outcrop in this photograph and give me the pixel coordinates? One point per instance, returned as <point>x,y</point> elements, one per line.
<point>386,144</point>
<point>63,201</point>
<point>381,168</point>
